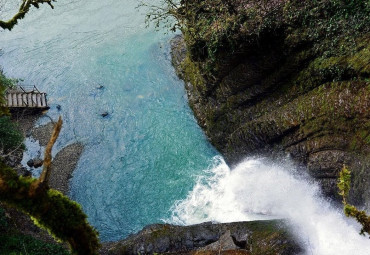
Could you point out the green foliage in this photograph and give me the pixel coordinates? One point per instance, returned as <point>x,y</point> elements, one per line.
<point>51,210</point>
<point>10,137</point>
<point>4,84</point>
<point>194,77</point>
<point>3,220</point>
<point>344,185</point>
<point>213,27</point>
<point>23,245</point>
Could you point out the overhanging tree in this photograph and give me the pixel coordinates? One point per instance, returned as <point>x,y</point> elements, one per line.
<point>23,10</point>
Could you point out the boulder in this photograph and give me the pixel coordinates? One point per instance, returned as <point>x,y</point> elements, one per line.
<point>104,114</point>
<point>36,162</point>
<point>265,237</point>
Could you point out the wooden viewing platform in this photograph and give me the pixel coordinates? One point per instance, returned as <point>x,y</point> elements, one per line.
<point>26,97</point>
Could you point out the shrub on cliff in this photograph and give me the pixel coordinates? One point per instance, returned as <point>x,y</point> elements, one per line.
<point>344,185</point>
<point>10,137</point>
<point>212,27</point>
<point>5,83</point>
<point>18,244</point>
<point>51,210</point>
<point>13,242</point>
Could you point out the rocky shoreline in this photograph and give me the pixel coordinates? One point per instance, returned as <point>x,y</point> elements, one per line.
<point>63,165</point>
<point>64,162</point>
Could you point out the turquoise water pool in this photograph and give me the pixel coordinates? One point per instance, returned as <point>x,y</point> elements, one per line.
<point>95,57</point>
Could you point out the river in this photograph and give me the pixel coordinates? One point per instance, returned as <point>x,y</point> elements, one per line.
<point>148,161</point>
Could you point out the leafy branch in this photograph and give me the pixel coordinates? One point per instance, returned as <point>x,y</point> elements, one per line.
<point>164,14</point>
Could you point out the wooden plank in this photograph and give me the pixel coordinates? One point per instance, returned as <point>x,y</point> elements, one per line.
<point>38,99</point>
<point>10,101</point>
<point>34,100</point>
<point>29,99</point>
<point>43,100</point>
<point>20,103</point>
<point>24,99</point>
<point>15,104</point>
<point>19,99</point>
<point>46,100</point>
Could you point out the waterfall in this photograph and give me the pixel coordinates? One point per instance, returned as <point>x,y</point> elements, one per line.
<point>258,189</point>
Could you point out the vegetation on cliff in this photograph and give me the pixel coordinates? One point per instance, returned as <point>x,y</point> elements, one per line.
<point>47,206</point>
<point>282,76</point>
<point>10,137</point>
<point>51,210</point>
<point>344,185</point>
<point>13,242</point>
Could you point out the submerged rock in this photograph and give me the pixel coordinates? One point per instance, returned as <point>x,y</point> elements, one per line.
<point>36,162</point>
<point>104,114</point>
<point>42,133</point>
<point>30,163</point>
<point>63,165</point>
<point>261,237</point>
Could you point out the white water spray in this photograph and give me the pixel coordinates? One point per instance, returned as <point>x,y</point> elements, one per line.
<point>256,189</point>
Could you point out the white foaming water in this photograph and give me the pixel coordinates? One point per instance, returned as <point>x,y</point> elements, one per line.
<point>256,189</point>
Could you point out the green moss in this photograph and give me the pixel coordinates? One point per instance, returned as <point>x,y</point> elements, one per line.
<point>22,245</point>
<point>266,236</point>
<point>192,73</point>
<point>214,27</point>
<point>4,84</point>
<point>52,211</point>
<point>344,186</point>
<point>10,136</point>
<point>3,220</point>
<point>361,138</point>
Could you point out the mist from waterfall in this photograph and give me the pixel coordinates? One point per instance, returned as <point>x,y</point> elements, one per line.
<point>260,189</point>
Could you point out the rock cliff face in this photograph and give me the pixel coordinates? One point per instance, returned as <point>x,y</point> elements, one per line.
<point>258,237</point>
<point>288,77</point>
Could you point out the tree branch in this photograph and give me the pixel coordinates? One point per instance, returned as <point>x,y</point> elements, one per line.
<point>44,177</point>
<point>22,11</point>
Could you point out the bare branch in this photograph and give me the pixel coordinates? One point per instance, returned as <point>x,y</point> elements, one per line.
<point>44,178</point>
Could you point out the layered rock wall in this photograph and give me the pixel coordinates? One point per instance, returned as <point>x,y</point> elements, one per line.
<point>292,79</point>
